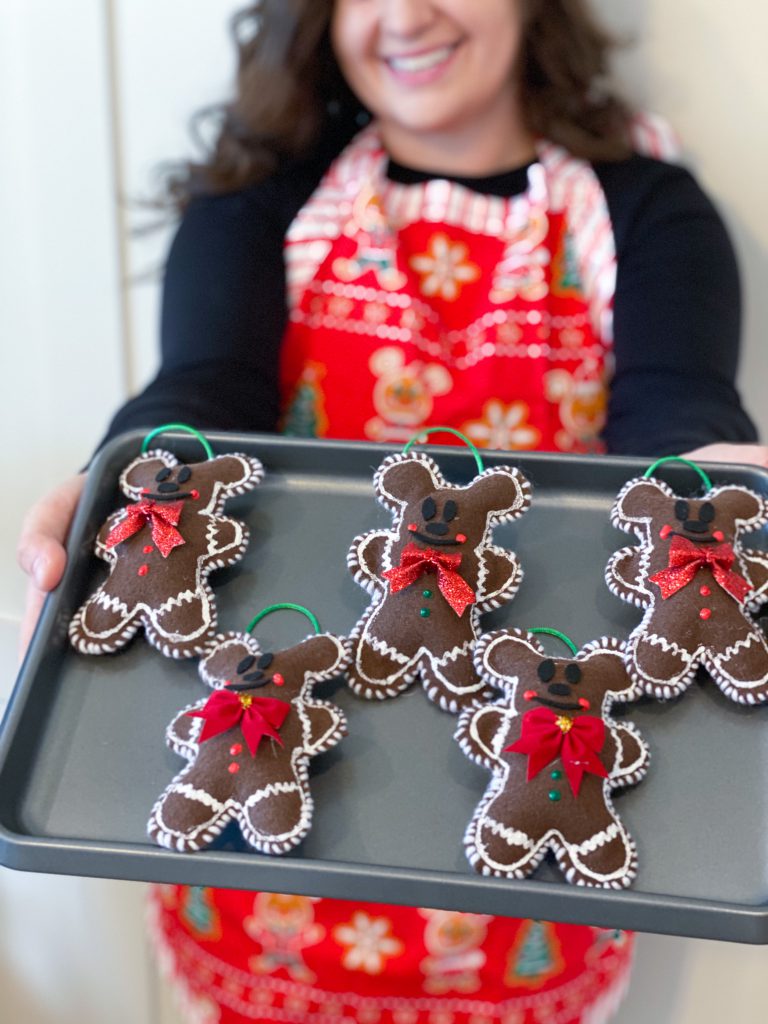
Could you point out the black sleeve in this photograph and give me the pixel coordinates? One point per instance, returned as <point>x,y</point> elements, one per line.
<point>223,317</point>
<point>677,315</point>
<point>224,304</point>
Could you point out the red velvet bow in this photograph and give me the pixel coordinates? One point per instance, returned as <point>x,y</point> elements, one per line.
<point>161,516</point>
<point>260,716</point>
<point>685,560</point>
<point>577,741</point>
<point>415,561</point>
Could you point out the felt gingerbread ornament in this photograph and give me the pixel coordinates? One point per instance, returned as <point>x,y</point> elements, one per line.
<point>249,744</point>
<point>556,755</point>
<point>161,549</point>
<point>697,584</point>
<point>431,576</point>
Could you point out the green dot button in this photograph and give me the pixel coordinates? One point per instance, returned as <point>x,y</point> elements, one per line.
<point>425,613</point>
<point>426,593</point>
<point>554,795</point>
<point>556,774</point>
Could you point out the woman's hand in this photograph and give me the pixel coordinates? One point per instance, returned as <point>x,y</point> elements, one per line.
<point>743,454</point>
<point>40,551</point>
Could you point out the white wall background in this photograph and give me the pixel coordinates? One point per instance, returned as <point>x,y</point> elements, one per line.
<point>95,94</point>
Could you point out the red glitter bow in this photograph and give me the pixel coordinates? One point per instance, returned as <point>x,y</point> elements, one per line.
<point>260,716</point>
<point>577,741</point>
<point>161,516</point>
<point>415,561</point>
<point>685,560</point>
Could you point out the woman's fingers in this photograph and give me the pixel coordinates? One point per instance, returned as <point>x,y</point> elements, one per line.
<point>41,552</point>
<point>749,454</point>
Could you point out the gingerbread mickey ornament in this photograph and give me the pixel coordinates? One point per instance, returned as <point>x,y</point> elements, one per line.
<point>431,576</point>
<point>556,755</point>
<point>697,584</point>
<point>249,744</point>
<point>161,550</point>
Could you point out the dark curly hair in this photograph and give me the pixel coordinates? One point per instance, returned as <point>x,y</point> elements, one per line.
<point>289,85</point>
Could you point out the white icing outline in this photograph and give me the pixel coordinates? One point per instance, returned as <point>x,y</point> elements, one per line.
<point>141,614</point>
<point>237,810</point>
<point>567,854</point>
<point>363,632</point>
<point>705,655</point>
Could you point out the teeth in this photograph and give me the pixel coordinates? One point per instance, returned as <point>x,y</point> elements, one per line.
<point>422,61</point>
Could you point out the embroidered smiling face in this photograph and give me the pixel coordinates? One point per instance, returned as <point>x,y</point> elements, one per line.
<point>252,671</point>
<point>694,520</point>
<point>437,521</point>
<point>693,539</point>
<point>171,483</point>
<point>558,685</point>
<point>570,687</point>
<point>158,476</point>
<point>651,508</point>
<point>239,665</point>
<point>433,514</point>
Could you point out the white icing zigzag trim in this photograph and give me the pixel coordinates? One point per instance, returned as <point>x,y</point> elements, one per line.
<point>188,746</point>
<point>366,635</point>
<point>706,655</point>
<point>217,555</point>
<point>502,714</point>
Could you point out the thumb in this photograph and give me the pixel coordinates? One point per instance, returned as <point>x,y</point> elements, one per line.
<point>40,551</point>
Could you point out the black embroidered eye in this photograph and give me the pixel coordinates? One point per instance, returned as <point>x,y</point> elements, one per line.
<point>245,664</point>
<point>266,660</point>
<point>167,487</point>
<point>184,474</point>
<point>163,474</point>
<point>450,510</point>
<point>681,510</point>
<point>572,674</point>
<point>707,512</point>
<point>428,508</point>
<point>546,670</point>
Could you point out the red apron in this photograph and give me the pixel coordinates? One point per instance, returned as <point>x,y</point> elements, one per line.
<point>415,305</point>
<point>429,303</point>
<point>237,957</point>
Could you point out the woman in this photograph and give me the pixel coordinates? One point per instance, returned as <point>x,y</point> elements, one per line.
<point>424,211</point>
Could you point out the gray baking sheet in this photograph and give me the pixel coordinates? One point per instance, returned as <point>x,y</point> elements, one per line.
<point>83,757</point>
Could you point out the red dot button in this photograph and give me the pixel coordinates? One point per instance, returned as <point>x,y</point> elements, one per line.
<point>705,591</point>
<point>143,570</point>
<point>235,749</point>
<point>705,613</point>
<point>148,549</point>
<point>234,768</point>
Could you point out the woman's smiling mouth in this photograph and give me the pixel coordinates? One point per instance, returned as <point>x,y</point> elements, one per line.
<point>423,66</point>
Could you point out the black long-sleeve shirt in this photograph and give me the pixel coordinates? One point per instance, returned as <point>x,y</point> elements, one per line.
<point>677,308</point>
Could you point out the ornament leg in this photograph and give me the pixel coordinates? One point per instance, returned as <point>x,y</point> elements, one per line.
<point>607,859</point>
<point>182,626</point>
<point>103,624</point>
<point>187,818</point>
<point>660,665</point>
<point>741,670</point>
<point>377,672</point>
<point>277,817</point>
<point>498,842</point>
<point>452,682</point>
